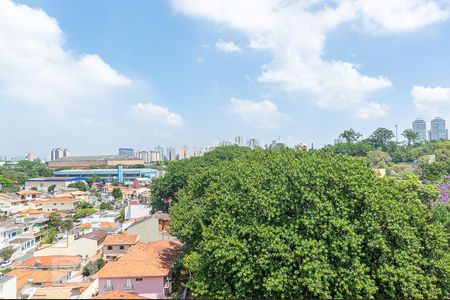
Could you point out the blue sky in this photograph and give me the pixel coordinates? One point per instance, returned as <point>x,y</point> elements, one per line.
<point>93,76</point>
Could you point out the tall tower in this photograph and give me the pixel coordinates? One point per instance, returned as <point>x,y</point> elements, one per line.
<point>438,130</point>
<point>419,126</point>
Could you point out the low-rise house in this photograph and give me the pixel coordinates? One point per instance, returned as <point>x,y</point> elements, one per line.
<point>12,204</point>
<point>23,244</point>
<point>64,204</point>
<point>84,247</point>
<point>117,244</point>
<point>30,279</point>
<point>144,270</point>
<point>152,228</point>
<point>29,195</point>
<point>136,211</point>
<point>8,287</point>
<point>52,262</point>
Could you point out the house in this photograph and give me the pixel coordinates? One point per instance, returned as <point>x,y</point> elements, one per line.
<point>152,228</point>
<point>52,262</point>
<point>30,279</point>
<point>12,204</point>
<point>8,287</point>
<point>22,232</point>
<point>29,195</point>
<point>84,247</point>
<point>119,295</point>
<point>117,244</point>
<point>136,211</point>
<point>144,270</point>
<point>64,204</point>
<point>79,195</point>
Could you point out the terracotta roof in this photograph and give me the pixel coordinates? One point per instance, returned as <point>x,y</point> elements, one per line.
<point>121,239</point>
<point>119,295</point>
<point>40,276</point>
<point>28,192</point>
<point>145,260</point>
<point>57,200</point>
<point>109,225</point>
<point>85,226</point>
<point>52,293</point>
<point>95,235</point>
<point>51,261</point>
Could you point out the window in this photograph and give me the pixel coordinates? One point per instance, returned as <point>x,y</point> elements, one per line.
<point>62,203</point>
<point>109,247</point>
<point>128,286</point>
<point>121,247</point>
<point>54,203</point>
<point>108,284</point>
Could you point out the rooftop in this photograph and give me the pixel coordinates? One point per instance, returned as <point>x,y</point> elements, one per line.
<point>121,239</point>
<point>57,200</point>
<point>51,261</point>
<point>56,179</point>
<point>28,192</point>
<point>144,260</point>
<point>95,235</point>
<point>37,276</point>
<point>94,158</point>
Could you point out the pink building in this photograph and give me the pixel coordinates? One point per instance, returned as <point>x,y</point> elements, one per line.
<point>144,270</point>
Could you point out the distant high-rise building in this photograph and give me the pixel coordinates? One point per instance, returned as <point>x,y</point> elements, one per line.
<point>171,154</point>
<point>154,156</point>
<point>419,126</point>
<point>30,157</point>
<point>239,140</point>
<point>160,151</point>
<point>438,130</point>
<point>225,143</point>
<point>57,153</point>
<point>144,155</point>
<point>184,152</point>
<point>253,143</point>
<point>126,152</point>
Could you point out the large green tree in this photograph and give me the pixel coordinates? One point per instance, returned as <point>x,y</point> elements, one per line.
<point>293,224</point>
<point>380,137</point>
<point>350,135</point>
<point>165,188</point>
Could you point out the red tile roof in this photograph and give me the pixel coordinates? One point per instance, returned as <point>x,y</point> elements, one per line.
<point>121,239</point>
<point>57,200</point>
<point>51,261</point>
<point>144,260</point>
<point>28,192</point>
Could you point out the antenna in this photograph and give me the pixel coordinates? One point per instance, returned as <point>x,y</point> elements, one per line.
<point>396,133</point>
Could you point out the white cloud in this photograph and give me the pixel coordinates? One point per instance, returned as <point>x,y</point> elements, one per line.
<point>199,60</point>
<point>227,46</point>
<point>156,114</point>
<point>260,115</point>
<point>36,68</point>
<point>295,31</point>
<point>431,101</point>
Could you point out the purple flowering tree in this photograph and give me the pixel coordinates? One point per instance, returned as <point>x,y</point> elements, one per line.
<point>445,190</point>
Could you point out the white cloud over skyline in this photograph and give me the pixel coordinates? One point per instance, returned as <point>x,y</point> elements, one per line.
<point>431,101</point>
<point>36,68</point>
<point>259,115</point>
<point>158,115</point>
<point>295,32</point>
<point>227,46</point>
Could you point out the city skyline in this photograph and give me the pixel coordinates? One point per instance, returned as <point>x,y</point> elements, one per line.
<point>178,73</point>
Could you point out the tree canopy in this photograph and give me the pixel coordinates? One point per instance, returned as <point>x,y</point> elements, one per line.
<point>282,223</point>
<point>380,137</point>
<point>350,135</point>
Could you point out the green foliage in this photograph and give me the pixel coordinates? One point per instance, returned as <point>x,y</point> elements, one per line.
<point>34,188</point>
<point>84,213</point>
<point>350,149</point>
<point>378,159</point>
<point>51,188</point>
<point>380,137</point>
<point>7,252</point>
<point>122,215</point>
<point>117,193</point>
<point>54,220</point>
<point>93,267</point>
<point>350,135</point>
<point>434,172</point>
<point>85,204</point>
<point>79,185</point>
<point>6,271</point>
<point>165,188</point>
<point>50,236</point>
<point>66,225</point>
<point>93,179</point>
<point>106,206</point>
<point>410,135</point>
<point>24,169</point>
<point>295,224</point>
